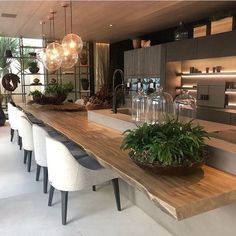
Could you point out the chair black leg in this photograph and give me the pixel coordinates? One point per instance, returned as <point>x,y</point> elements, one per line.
<point>20,142</point>
<point>38,172</point>
<point>45,179</point>
<point>29,161</point>
<point>12,134</point>
<point>51,191</point>
<point>64,203</point>
<point>25,155</point>
<point>115,184</point>
<point>94,187</point>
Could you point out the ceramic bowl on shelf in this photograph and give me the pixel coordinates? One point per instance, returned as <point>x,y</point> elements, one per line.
<point>36,81</point>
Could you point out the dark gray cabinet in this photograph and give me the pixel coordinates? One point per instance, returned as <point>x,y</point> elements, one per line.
<point>143,61</point>
<point>181,50</point>
<point>219,45</point>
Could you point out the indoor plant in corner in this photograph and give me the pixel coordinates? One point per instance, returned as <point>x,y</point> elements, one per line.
<point>168,148</point>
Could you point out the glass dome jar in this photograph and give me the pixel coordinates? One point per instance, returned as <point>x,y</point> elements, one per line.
<point>185,106</point>
<point>139,106</point>
<point>159,106</point>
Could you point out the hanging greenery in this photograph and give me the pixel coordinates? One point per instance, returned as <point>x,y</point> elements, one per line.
<point>7,44</point>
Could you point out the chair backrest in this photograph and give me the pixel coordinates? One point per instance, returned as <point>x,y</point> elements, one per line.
<point>39,139</point>
<point>12,115</point>
<point>27,134</point>
<point>18,115</point>
<point>64,172</point>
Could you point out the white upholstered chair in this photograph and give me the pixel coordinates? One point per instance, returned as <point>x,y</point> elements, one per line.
<point>27,140</point>
<point>39,139</point>
<point>67,173</point>
<point>20,131</point>
<point>12,111</point>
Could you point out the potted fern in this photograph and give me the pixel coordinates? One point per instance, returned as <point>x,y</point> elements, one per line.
<point>167,148</point>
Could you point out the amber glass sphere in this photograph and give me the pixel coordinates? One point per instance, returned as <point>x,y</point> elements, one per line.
<point>73,42</point>
<point>53,59</point>
<point>69,59</point>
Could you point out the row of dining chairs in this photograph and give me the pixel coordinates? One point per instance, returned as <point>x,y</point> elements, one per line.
<point>65,165</point>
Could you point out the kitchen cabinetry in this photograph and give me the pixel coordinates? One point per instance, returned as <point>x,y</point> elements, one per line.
<point>219,45</point>
<point>182,50</point>
<point>143,61</point>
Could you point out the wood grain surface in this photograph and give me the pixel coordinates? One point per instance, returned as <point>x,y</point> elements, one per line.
<point>180,197</point>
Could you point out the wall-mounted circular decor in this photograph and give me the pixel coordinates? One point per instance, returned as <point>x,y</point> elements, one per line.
<point>10,81</point>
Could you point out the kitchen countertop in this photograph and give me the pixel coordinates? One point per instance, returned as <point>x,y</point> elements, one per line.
<point>209,126</point>
<point>180,197</point>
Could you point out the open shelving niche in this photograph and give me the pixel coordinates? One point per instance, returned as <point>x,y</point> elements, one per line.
<point>62,76</point>
<point>185,80</point>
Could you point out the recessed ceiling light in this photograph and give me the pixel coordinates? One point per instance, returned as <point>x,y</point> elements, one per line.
<point>110,25</point>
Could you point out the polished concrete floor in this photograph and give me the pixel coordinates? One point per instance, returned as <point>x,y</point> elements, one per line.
<point>24,210</point>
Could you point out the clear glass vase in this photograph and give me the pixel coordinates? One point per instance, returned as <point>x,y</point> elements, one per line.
<point>185,106</point>
<point>159,106</point>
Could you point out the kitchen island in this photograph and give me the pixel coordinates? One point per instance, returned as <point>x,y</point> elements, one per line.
<point>180,197</point>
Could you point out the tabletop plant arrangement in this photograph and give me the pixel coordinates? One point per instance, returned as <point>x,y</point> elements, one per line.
<point>54,94</point>
<point>172,147</point>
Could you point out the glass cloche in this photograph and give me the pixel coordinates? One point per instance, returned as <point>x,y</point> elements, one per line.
<point>139,103</point>
<point>185,106</point>
<point>159,106</point>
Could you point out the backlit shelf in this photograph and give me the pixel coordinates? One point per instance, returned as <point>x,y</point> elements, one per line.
<point>207,75</point>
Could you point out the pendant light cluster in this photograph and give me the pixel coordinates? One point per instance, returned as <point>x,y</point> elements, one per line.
<point>64,55</point>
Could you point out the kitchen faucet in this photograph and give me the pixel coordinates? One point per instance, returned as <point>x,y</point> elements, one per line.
<point>115,88</point>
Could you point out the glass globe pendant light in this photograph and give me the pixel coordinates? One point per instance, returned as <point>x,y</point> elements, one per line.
<point>69,57</point>
<point>72,41</point>
<point>53,57</point>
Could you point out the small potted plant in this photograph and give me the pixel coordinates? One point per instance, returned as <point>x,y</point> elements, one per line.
<point>85,84</point>
<point>33,67</point>
<point>168,148</point>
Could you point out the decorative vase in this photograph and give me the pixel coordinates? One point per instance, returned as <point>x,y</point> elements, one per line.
<point>2,117</point>
<point>181,32</point>
<point>136,43</point>
<point>83,59</point>
<point>33,70</point>
<point>85,84</point>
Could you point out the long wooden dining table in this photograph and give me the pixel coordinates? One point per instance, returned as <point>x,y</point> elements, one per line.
<point>180,197</point>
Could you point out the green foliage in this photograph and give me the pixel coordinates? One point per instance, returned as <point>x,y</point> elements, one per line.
<point>35,93</point>
<point>7,44</point>
<point>33,64</point>
<point>171,143</point>
<point>59,89</point>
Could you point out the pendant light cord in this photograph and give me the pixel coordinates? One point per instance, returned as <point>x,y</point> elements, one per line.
<point>70,16</point>
<point>50,29</point>
<point>65,19</point>
<point>53,22</point>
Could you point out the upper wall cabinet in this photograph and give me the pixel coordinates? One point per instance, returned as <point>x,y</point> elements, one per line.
<point>182,50</point>
<point>218,45</point>
<point>143,61</point>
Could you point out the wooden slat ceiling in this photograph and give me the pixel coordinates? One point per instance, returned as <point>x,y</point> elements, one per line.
<point>91,19</point>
